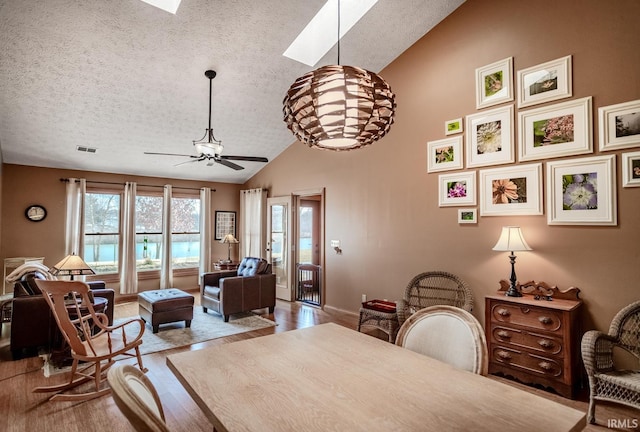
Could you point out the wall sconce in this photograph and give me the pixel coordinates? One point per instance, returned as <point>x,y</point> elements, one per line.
<point>511,239</point>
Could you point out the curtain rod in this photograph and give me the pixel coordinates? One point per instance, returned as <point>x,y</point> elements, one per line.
<point>66,180</point>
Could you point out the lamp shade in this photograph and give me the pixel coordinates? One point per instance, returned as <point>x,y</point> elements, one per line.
<point>339,108</point>
<point>71,265</point>
<point>229,238</point>
<point>511,239</point>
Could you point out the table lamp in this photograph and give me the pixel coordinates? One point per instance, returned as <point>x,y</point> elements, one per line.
<point>511,239</point>
<point>71,265</point>
<point>229,239</point>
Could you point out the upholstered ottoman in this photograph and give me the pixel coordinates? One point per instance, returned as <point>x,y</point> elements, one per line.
<point>165,306</point>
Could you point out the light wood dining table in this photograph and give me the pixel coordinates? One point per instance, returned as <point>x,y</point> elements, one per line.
<point>331,378</point>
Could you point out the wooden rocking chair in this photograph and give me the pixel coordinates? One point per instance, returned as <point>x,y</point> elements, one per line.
<point>90,338</point>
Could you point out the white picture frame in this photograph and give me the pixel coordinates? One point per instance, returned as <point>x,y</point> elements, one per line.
<point>494,83</point>
<point>444,154</point>
<point>582,191</point>
<point>457,189</point>
<point>489,137</point>
<point>563,129</point>
<point>619,126</point>
<point>631,169</point>
<point>452,127</point>
<point>512,190</point>
<point>545,82</point>
<point>467,216</point>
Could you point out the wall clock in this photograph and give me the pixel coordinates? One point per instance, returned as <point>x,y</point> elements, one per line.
<point>35,213</point>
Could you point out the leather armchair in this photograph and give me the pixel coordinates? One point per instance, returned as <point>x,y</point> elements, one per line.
<point>32,323</point>
<point>228,292</point>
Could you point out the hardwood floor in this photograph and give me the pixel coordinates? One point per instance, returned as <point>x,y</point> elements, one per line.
<point>22,410</point>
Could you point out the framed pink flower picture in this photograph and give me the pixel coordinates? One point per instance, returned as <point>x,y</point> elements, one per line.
<point>513,190</point>
<point>457,189</point>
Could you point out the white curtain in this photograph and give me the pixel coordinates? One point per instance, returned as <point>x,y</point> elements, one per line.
<point>166,271</point>
<point>74,228</point>
<point>128,273</point>
<point>253,204</point>
<point>205,230</point>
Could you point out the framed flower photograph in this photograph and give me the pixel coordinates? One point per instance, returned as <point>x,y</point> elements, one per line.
<point>490,137</point>
<point>444,155</point>
<point>467,216</point>
<point>619,125</point>
<point>545,82</point>
<point>582,191</point>
<point>558,130</point>
<point>494,83</point>
<point>513,190</point>
<point>457,189</point>
<point>452,127</point>
<point>631,169</point>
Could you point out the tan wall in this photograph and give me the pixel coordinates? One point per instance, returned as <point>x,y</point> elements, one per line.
<point>25,185</point>
<point>383,206</point>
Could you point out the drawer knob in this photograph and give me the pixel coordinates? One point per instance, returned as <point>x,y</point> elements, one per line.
<point>504,334</point>
<point>504,355</point>
<point>504,312</point>
<point>546,343</point>
<point>545,320</point>
<point>545,365</point>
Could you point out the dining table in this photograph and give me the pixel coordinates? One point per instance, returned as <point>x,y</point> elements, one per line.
<point>331,378</point>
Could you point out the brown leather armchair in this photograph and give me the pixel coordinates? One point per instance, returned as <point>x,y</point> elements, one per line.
<point>32,323</point>
<point>228,292</point>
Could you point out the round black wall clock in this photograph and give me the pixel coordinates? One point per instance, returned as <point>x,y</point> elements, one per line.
<point>35,213</point>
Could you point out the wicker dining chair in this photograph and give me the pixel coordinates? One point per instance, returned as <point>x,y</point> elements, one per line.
<point>434,288</point>
<point>606,383</point>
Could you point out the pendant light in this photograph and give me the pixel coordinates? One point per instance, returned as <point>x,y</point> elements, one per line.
<point>339,107</point>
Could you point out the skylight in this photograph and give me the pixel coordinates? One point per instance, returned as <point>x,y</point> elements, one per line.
<point>320,35</point>
<point>170,6</point>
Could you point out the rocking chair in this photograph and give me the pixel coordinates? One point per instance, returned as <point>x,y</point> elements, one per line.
<point>90,338</point>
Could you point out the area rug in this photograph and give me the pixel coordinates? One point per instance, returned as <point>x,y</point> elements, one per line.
<point>204,327</point>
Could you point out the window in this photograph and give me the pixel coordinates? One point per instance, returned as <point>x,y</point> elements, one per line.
<point>185,232</point>
<point>305,246</point>
<point>148,232</point>
<point>102,231</point>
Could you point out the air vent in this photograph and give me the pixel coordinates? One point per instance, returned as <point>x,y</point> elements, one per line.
<point>86,149</point>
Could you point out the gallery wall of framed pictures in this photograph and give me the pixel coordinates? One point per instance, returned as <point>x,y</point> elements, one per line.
<point>547,126</point>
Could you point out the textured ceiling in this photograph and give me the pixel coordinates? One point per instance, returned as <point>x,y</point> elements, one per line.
<point>127,78</point>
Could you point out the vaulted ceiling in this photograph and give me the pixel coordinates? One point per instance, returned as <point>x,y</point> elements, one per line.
<point>125,78</point>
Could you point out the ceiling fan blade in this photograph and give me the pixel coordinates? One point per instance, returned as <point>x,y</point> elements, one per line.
<point>171,154</point>
<point>189,161</point>
<point>229,164</point>
<point>245,158</point>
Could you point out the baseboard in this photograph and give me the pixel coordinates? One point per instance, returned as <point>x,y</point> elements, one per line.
<point>333,309</point>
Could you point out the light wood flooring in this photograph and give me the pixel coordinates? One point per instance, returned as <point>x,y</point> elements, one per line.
<point>22,410</point>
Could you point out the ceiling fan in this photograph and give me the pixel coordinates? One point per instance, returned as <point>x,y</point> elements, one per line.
<point>208,148</point>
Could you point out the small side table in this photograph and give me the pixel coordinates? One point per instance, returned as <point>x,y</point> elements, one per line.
<point>381,315</point>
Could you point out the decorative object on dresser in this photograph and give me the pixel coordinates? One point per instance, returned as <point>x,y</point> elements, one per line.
<point>606,383</point>
<point>535,338</point>
<point>511,240</point>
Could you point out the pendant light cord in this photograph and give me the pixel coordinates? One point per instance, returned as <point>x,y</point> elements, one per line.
<point>338,32</point>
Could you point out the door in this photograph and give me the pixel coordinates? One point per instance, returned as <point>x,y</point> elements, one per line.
<point>309,254</point>
<point>279,252</point>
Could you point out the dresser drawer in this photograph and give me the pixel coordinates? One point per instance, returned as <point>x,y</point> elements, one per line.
<point>530,363</point>
<point>539,342</point>
<point>526,316</point>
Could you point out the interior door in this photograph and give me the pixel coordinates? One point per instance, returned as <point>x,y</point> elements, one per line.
<point>279,252</point>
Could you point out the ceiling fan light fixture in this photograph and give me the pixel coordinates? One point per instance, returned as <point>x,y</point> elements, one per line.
<point>339,108</point>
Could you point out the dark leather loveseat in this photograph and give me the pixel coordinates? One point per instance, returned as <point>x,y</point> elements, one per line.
<point>252,286</point>
<point>32,323</point>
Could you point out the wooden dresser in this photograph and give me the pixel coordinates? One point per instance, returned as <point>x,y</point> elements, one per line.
<point>536,340</point>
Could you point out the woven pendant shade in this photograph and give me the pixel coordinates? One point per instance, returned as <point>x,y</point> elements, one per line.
<point>339,108</point>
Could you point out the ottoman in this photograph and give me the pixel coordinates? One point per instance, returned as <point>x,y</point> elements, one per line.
<point>165,306</point>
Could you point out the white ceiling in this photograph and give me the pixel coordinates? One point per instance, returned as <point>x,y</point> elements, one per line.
<point>126,78</point>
